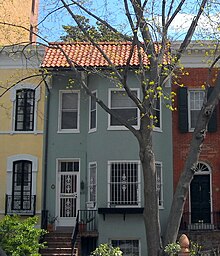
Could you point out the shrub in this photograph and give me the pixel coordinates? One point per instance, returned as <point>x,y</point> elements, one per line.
<point>107,250</point>
<point>20,237</point>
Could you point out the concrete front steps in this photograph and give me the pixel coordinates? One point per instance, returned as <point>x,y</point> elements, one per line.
<point>58,243</point>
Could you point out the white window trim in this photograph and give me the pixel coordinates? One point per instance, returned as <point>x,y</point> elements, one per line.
<point>25,157</point>
<point>94,202</point>
<point>159,129</point>
<point>90,99</point>
<point>126,238</point>
<point>13,100</point>
<point>190,129</point>
<point>122,127</point>
<point>139,182</point>
<point>60,130</point>
<point>162,196</point>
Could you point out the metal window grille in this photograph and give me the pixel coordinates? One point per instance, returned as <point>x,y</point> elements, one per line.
<point>24,112</point>
<point>128,247</point>
<point>22,185</point>
<point>124,184</point>
<point>92,182</point>
<point>159,183</point>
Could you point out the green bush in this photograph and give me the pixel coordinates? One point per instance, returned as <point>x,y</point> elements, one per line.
<point>107,250</point>
<point>20,237</point>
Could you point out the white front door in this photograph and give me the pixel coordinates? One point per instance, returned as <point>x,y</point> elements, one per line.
<point>68,192</point>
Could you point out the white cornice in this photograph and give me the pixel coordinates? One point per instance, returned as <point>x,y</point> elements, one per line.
<point>199,54</point>
<point>19,57</point>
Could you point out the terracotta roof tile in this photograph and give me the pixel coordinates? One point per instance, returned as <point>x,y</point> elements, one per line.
<point>84,54</point>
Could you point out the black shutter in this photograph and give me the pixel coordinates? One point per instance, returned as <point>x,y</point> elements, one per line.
<point>212,125</point>
<point>183,109</point>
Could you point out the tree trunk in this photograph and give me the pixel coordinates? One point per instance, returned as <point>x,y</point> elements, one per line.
<point>151,207</point>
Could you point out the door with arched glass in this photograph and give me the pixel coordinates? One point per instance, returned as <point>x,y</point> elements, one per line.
<point>200,195</point>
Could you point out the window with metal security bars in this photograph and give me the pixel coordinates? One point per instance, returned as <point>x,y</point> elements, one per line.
<point>124,184</point>
<point>128,247</point>
<point>122,105</point>
<point>92,182</point>
<point>22,185</point>
<point>159,183</point>
<point>69,111</point>
<point>196,98</point>
<point>24,111</point>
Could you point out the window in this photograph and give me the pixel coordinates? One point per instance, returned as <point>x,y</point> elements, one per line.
<point>92,184</point>
<point>122,105</point>
<point>21,184</point>
<point>128,247</point>
<point>24,113</point>
<point>196,98</point>
<point>157,113</point>
<point>124,184</point>
<point>25,98</point>
<point>69,111</point>
<point>189,104</point>
<point>159,183</point>
<point>92,113</point>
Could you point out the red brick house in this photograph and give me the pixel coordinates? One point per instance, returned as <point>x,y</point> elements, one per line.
<point>202,209</point>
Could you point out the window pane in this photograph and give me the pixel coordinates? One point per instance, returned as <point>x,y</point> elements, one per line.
<point>129,115</point>
<point>69,120</point>
<point>69,101</point>
<point>195,105</point>
<point>24,114</point>
<point>120,99</point>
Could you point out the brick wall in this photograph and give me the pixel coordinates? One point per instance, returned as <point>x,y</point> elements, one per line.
<point>211,149</point>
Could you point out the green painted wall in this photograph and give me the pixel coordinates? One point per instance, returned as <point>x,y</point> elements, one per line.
<point>102,146</point>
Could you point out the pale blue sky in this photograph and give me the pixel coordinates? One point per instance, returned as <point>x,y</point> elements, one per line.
<point>112,10</point>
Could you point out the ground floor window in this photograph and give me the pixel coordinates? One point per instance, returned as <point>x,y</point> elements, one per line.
<point>124,183</point>
<point>128,247</point>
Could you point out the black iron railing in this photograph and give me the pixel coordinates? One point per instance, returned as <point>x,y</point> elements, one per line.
<point>213,224</point>
<point>86,223</point>
<point>14,205</point>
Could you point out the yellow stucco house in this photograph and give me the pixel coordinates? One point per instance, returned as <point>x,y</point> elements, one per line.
<point>21,113</point>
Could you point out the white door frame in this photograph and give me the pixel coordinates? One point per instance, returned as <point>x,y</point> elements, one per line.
<point>59,221</point>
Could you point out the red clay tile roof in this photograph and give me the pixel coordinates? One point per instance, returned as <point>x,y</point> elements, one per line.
<point>84,54</point>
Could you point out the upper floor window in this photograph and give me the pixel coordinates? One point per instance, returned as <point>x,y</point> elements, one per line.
<point>195,102</point>
<point>159,183</point>
<point>157,113</point>
<point>69,111</point>
<point>24,111</point>
<point>92,113</point>
<point>189,105</point>
<point>25,98</point>
<point>122,105</point>
<point>124,183</point>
